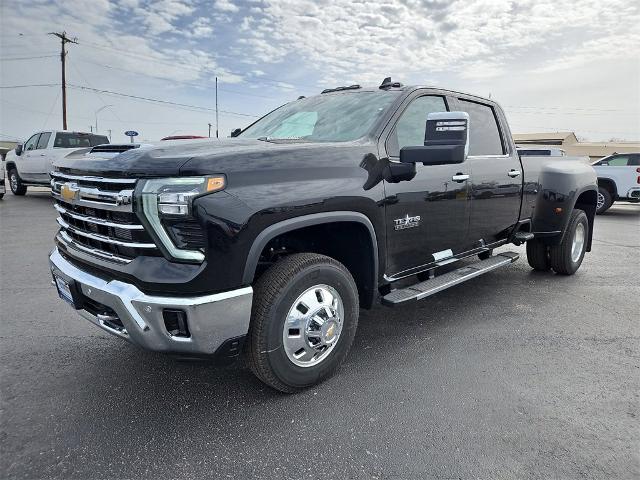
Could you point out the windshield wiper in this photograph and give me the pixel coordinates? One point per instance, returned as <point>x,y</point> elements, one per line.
<point>282,139</point>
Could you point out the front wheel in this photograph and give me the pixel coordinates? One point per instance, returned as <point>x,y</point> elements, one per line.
<point>17,188</point>
<point>566,258</point>
<point>304,318</point>
<point>605,200</point>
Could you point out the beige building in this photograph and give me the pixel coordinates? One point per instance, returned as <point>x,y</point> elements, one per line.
<point>570,144</point>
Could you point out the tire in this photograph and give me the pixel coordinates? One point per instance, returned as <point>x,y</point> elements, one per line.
<point>538,255</point>
<point>566,258</point>
<point>17,188</point>
<point>604,200</point>
<point>485,255</point>
<point>271,349</point>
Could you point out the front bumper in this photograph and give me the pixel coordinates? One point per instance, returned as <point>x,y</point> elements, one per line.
<point>634,193</point>
<point>215,322</point>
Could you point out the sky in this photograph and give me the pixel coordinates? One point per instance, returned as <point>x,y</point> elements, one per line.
<point>150,66</point>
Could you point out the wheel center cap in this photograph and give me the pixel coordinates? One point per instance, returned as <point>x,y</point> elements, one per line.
<point>329,331</point>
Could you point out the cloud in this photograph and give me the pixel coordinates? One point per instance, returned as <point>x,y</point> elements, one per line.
<point>200,28</point>
<point>225,6</point>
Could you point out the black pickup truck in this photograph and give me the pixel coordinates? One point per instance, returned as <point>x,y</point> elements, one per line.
<point>266,245</point>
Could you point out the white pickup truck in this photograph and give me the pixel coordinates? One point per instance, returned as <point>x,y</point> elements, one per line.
<point>618,179</point>
<point>30,163</point>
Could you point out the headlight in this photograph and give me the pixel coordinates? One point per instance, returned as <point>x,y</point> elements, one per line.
<point>172,198</point>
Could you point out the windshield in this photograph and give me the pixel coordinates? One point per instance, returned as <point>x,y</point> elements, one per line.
<point>324,118</point>
<point>75,140</point>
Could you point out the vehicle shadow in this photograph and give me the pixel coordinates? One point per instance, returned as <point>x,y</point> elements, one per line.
<point>123,386</point>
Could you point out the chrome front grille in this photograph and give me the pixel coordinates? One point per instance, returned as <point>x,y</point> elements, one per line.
<point>97,217</point>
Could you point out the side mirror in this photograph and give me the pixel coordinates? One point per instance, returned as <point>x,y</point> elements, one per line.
<point>19,149</point>
<point>446,140</point>
<point>236,132</point>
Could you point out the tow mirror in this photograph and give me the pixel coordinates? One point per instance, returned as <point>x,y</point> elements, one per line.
<point>19,149</point>
<point>236,132</point>
<point>446,140</point>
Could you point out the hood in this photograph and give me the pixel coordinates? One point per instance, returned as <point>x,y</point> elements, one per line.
<point>199,157</point>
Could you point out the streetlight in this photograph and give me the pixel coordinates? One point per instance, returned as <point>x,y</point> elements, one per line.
<point>98,111</point>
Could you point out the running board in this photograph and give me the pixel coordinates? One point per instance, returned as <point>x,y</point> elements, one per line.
<point>441,282</point>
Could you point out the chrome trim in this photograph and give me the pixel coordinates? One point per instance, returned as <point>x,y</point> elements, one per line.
<point>212,319</point>
<point>92,179</point>
<point>102,238</point>
<point>69,242</point>
<point>94,204</point>
<point>97,221</point>
<point>119,198</point>
<point>460,178</point>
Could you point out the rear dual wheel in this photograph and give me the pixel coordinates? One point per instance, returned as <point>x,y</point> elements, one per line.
<point>565,258</point>
<point>304,318</point>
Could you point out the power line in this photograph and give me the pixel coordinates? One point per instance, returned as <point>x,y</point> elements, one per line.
<point>8,59</point>
<point>156,100</point>
<point>31,85</point>
<point>182,82</point>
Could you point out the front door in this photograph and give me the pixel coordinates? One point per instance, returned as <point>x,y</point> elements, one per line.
<point>29,159</point>
<point>496,175</point>
<point>427,217</point>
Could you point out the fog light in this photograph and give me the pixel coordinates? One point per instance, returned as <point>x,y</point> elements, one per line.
<point>175,321</point>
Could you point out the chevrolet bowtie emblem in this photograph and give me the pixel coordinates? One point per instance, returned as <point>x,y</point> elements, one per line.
<point>69,191</point>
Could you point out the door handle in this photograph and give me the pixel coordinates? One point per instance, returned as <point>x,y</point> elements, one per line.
<point>514,173</point>
<point>460,177</point>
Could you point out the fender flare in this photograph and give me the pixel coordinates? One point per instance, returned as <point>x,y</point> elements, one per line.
<point>612,181</point>
<point>303,221</point>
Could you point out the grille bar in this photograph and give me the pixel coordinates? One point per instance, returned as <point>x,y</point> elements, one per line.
<point>102,238</point>
<point>120,201</point>
<point>64,176</point>
<point>69,242</point>
<point>98,221</point>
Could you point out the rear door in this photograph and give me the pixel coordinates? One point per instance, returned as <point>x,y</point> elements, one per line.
<point>496,176</point>
<point>426,217</point>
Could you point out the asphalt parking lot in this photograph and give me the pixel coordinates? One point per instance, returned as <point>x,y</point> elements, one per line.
<point>512,375</point>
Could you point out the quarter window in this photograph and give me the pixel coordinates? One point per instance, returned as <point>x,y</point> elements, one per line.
<point>484,134</point>
<point>44,140</point>
<point>410,128</point>
<point>619,161</point>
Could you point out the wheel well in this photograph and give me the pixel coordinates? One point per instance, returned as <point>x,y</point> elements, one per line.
<point>10,165</point>
<point>587,202</point>
<point>350,243</point>
<point>609,185</point>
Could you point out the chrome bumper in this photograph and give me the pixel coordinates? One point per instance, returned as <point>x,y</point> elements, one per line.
<point>212,319</point>
<point>634,192</point>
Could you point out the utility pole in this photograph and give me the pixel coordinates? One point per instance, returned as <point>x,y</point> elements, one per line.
<point>209,129</point>
<point>63,40</point>
<point>216,107</point>
<point>109,134</point>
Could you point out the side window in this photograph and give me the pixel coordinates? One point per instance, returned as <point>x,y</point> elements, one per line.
<point>44,140</point>
<point>634,159</point>
<point>32,142</point>
<point>618,161</point>
<point>410,128</point>
<point>484,134</point>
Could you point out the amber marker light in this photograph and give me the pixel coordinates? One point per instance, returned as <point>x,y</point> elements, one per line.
<point>215,183</point>
<point>558,210</point>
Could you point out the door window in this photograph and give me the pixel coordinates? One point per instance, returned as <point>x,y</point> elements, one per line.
<point>410,128</point>
<point>484,134</point>
<point>44,140</point>
<point>32,142</point>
